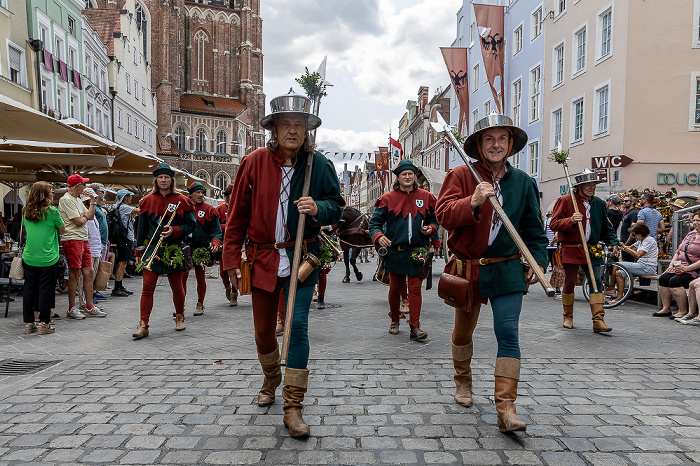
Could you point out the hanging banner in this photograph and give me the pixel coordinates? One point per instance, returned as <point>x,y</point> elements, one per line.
<point>456,61</point>
<point>489,20</point>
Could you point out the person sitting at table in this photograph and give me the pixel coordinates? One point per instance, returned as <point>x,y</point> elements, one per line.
<point>645,250</point>
<point>681,271</point>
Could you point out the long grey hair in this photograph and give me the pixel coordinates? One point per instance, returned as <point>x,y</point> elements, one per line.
<point>273,143</point>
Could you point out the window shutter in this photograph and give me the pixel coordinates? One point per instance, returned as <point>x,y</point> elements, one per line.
<point>15,59</point>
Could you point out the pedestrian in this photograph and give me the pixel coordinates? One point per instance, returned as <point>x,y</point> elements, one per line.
<point>125,245</point>
<point>646,252</point>
<point>101,217</point>
<point>551,239</point>
<point>403,222</point>
<point>167,216</point>
<point>629,209</point>
<point>615,215</point>
<point>649,216</point>
<point>95,241</point>
<point>485,254</point>
<point>205,237</point>
<point>74,240</point>
<point>42,222</point>
<point>222,212</point>
<point>266,203</point>
<point>592,213</point>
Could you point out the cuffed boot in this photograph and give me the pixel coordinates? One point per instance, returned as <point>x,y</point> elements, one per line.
<point>596,301</point>
<point>199,310</point>
<point>179,322</point>
<point>141,331</point>
<point>233,298</point>
<point>273,377</point>
<point>507,374</point>
<point>567,301</point>
<point>295,382</point>
<point>228,293</point>
<point>462,359</point>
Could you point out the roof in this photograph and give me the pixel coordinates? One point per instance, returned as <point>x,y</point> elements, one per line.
<point>105,22</point>
<point>210,105</point>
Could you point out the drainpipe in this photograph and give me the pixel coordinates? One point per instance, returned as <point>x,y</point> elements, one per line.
<point>37,46</point>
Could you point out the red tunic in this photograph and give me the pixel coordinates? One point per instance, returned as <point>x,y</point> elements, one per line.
<point>222,212</point>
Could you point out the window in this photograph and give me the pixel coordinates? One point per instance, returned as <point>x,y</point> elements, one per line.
<point>180,139</point>
<point>103,81</point>
<point>475,118</point>
<point>533,158</point>
<point>605,27</point>
<point>128,123</point>
<point>459,31</point>
<point>559,65</point>
<point>515,160</point>
<point>73,106</point>
<point>697,101</point>
<point>88,66</point>
<point>535,94</point>
<point>143,95</point>
<point>475,75</point>
<point>221,143</point>
<point>60,96</point>
<point>71,26</point>
<point>580,50</point>
<point>142,23</point>
<point>201,141</point>
<point>561,6</point>
<point>518,39</point>
<point>487,108</point>
<point>90,115</point>
<point>517,94</point>
<point>106,125</point>
<point>94,70</point>
<point>136,90</point>
<point>472,29</point>
<point>72,58</point>
<point>44,36</point>
<point>134,53</point>
<point>222,180</point>
<point>556,127</point>
<point>143,132</point>
<point>45,91</point>
<point>150,137</point>
<point>3,4</point>
<point>200,39</point>
<point>577,113</point>
<point>15,64</point>
<point>58,51</point>
<point>98,121</point>
<point>128,84</point>
<point>536,27</point>
<point>136,128</point>
<point>602,102</point>
<point>119,117</point>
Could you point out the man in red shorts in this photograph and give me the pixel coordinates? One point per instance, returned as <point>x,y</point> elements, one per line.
<point>76,246</point>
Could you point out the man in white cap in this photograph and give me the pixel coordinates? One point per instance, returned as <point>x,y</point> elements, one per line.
<point>124,242</point>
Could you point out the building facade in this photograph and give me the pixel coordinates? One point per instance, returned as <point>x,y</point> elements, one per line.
<point>17,63</point>
<point>98,99</point>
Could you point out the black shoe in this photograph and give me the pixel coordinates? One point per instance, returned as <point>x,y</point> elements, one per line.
<point>126,291</point>
<point>662,314</point>
<point>126,275</point>
<point>320,304</point>
<point>120,293</point>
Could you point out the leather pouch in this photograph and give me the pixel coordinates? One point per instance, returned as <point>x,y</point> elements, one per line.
<point>456,291</point>
<point>244,282</point>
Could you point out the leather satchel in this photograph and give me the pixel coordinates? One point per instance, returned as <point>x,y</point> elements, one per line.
<point>455,289</point>
<point>244,283</point>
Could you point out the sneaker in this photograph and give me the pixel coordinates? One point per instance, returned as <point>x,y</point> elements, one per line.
<point>684,318</point>
<point>120,293</point>
<point>693,321</point>
<point>94,312</point>
<point>99,296</point>
<point>74,313</point>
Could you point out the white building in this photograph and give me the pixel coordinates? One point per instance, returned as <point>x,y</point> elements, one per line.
<point>98,102</point>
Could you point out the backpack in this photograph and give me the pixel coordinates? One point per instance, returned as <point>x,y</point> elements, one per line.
<point>117,231</point>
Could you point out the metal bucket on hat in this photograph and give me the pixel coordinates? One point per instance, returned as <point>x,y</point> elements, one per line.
<point>586,176</point>
<point>495,120</point>
<point>291,103</point>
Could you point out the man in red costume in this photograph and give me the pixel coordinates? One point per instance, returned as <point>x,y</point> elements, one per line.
<point>163,204</point>
<point>266,203</point>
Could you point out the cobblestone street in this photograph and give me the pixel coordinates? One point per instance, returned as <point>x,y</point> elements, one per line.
<point>374,398</point>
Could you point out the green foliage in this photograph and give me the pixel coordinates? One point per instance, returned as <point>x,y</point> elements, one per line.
<point>325,255</point>
<point>201,256</point>
<point>173,256</point>
<point>419,255</point>
<point>559,156</point>
<point>459,137</point>
<point>312,83</point>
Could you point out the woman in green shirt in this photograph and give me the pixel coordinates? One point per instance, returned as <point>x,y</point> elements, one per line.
<point>42,222</point>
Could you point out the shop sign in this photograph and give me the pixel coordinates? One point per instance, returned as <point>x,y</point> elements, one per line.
<point>679,179</point>
<point>563,189</point>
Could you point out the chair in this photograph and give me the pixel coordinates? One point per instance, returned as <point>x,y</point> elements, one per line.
<point>8,283</point>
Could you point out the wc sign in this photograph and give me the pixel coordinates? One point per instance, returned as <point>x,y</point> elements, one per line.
<point>610,161</point>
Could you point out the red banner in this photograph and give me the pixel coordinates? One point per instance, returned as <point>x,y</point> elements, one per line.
<point>489,19</point>
<point>456,61</point>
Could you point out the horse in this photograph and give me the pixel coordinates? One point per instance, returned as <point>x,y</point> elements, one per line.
<point>353,235</point>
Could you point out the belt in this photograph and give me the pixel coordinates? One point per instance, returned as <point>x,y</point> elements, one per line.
<point>572,245</point>
<point>287,244</point>
<point>407,248</point>
<point>462,267</point>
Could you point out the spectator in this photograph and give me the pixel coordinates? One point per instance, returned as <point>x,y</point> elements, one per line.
<point>650,216</point>
<point>101,218</point>
<point>691,318</point>
<point>629,217</point>
<point>645,250</point>
<point>614,213</point>
<point>125,248</point>
<point>94,238</point>
<point>76,246</point>
<point>551,239</point>
<point>682,270</point>
<point>14,226</point>
<point>42,222</point>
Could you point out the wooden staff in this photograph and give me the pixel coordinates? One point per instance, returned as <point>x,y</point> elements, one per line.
<point>442,127</point>
<point>584,244</point>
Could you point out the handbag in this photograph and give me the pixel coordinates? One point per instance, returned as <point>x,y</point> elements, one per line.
<point>104,270</point>
<point>187,253</point>
<point>17,267</point>
<point>455,290</point>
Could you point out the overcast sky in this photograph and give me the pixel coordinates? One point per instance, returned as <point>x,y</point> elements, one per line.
<point>379,53</point>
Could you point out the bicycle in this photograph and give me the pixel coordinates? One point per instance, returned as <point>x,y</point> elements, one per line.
<point>607,279</point>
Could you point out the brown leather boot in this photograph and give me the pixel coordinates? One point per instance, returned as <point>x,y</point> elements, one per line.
<point>179,322</point>
<point>417,333</point>
<point>199,310</point>
<point>596,301</point>
<point>228,293</point>
<point>567,301</point>
<point>141,331</point>
<point>394,327</point>
<point>273,377</point>
<point>295,382</point>
<point>507,374</point>
<point>462,358</point>
<point>233,298</point>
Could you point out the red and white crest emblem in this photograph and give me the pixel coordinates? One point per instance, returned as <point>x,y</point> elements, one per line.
<point>200,214</point>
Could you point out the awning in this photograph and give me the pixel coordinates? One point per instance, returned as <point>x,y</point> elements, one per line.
<point>13,196</point>
<point>433,177</point>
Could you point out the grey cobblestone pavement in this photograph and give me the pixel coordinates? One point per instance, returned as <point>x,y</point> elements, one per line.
<point>374,398</point>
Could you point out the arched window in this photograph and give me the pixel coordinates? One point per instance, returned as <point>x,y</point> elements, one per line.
<point>222,180</point>
<point>200,38</point>
<point>201,141</point>
<point>221,143</point>
<point>203,175</point>
<point>142,23</point>
<point>180,139</point>
<point>241,143</point>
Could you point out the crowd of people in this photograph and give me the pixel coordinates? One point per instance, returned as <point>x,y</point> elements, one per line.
<point>288,189</point>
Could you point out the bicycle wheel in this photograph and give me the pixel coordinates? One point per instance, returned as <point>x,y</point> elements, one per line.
<point>628,288</point>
